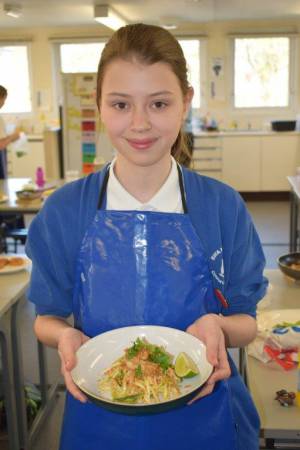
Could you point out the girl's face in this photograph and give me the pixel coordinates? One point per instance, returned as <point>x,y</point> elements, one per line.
<point>142,108</point>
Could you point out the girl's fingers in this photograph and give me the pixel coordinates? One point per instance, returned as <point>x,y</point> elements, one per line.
<point>70,385</point>
<point>206,390</point>
<point>68,345</point>
<point>73,389</point>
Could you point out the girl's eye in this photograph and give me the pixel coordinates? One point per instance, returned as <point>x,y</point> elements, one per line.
<point>159,104</point>
<point>120,105</point>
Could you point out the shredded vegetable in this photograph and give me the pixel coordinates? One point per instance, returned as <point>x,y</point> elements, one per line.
<point>144,374</point>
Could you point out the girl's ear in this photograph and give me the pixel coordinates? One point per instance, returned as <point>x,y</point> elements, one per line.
<point>187,102</point>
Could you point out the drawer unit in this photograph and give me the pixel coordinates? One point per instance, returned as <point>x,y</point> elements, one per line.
<point>207,164</point>
<point>210,142</point>
<point>213,152</point>
<point>207,156</point>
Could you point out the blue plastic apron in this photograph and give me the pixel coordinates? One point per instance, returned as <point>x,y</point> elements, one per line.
<point>138,268</point>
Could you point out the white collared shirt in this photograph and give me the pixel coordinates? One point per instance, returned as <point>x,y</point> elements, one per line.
<point>167,199</point>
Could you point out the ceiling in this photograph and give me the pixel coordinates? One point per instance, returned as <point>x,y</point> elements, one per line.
<point>41,13</point>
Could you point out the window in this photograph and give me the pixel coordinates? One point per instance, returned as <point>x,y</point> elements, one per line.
<point>84,57</point>
<point>14,76</point>
<point>191,50</point>
<point>81,57</point>
<point>261,72</point>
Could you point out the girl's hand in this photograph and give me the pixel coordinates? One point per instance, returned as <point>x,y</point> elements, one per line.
<point>69,341</point>
<point>209,331</point>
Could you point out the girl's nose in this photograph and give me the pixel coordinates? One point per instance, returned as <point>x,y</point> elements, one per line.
<point>140,120</point>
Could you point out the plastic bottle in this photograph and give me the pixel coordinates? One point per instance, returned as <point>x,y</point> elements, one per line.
<point>39,177</point>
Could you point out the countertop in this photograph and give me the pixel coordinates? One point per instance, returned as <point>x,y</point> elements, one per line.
<point>265,379</point>
<point>237,133</point>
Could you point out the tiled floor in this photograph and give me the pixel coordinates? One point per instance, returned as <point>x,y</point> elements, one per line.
<point>272,223</point>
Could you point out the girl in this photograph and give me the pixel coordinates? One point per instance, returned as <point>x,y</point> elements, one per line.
<point>146,241</point>
<point>5,139</point>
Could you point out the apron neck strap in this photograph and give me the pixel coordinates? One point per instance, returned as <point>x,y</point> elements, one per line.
<point>103,188</point>
<point>181,187</point>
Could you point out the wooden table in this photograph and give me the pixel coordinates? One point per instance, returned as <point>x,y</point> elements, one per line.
<point>13,287</point>
<point>12,290</point>
<point>294,213</point>
<point>10,186</point>
<point>278,424</point>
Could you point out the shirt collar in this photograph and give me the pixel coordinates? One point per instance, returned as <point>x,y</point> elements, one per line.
<point>167,199</point>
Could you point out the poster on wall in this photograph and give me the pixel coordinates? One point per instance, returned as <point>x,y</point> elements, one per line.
<point>217,83</point>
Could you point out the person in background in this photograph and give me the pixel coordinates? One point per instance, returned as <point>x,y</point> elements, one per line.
<point>5,139</point>
<point>147,241</point>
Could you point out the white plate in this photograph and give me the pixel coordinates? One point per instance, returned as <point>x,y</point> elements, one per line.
<point>12,269</point>
<point>98,354</point>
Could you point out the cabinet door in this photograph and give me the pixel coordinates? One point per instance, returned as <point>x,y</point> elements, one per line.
<point>241,162</point>
<point>26,164</point>
<point>279,159</point>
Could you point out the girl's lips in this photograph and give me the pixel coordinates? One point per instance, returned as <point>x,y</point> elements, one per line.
<point>141,144</point>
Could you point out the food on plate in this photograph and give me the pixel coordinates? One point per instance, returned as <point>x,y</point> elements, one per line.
<point>16,261</point>
<point>295,266</point>
<point>3,262</point>
<point>11,261</point>
<point>144,374</point>
<point>28,195</point>
<point>29,187</point>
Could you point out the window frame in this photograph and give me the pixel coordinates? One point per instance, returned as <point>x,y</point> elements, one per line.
<point>56,61</point>
<point>203,67</point>
<point>56,57</point>
<point>28,44</point>
<point>293,63</point>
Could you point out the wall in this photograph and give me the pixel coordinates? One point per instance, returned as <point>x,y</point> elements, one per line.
<point>217,45</point>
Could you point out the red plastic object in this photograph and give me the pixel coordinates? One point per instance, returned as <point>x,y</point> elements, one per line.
<point>282,357</point>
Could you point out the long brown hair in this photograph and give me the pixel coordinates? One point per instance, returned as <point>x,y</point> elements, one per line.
<point>3,92</point>
<point>149,44</point>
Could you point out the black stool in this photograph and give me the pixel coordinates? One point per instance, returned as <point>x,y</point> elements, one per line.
<point>19,235</point>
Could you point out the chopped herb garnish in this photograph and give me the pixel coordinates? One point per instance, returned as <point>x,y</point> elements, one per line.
<point>119,377</point>
<point>138,371</point>
<point>136,347</point>
<point>160,357</point>
<point>156,353</point>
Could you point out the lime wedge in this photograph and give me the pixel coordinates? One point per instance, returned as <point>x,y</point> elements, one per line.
<point>185,366</point>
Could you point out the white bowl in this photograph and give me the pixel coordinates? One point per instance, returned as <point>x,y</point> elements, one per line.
<point>98,354</point>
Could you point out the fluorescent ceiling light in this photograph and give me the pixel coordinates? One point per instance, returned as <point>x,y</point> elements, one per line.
<point>107,16</point>
<point>169,23</point>
<point>14,11</point>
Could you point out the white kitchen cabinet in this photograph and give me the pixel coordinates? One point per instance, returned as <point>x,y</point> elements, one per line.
<point>207,156</point>
<point>23,164</point>
<point>279,158</point>
<point>241,162</point>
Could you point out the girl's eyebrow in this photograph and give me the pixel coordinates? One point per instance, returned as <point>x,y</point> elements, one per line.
<point>121,94</point>
<point>161,93</point>
<point>118,94</point>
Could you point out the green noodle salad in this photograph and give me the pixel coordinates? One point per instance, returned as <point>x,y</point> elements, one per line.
<point>144,374</point>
